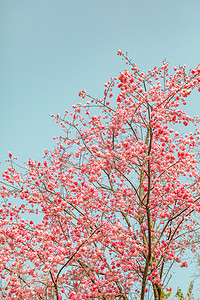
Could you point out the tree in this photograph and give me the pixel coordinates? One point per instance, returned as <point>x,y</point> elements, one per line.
<point>108,212</point>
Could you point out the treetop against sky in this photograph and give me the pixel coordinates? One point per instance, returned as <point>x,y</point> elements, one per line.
<point>113,207</point>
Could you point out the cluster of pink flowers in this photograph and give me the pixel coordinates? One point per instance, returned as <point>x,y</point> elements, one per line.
<point>105,213</point>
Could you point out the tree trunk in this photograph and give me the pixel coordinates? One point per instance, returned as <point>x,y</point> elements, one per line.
<point>158,292</point>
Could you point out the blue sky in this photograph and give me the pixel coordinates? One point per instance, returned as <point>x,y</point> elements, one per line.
<point>50,50</point>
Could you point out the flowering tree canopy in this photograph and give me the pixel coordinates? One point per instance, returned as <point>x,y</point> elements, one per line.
<point>107,213</point>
